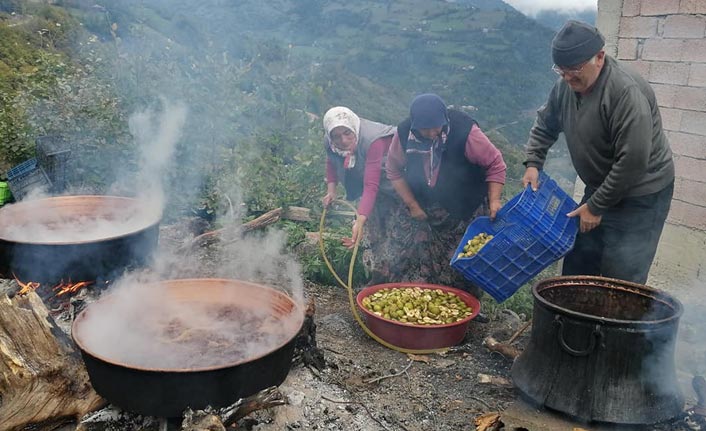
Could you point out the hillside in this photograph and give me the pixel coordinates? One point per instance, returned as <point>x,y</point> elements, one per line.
<point>250,71</point>
<point>375,55</point>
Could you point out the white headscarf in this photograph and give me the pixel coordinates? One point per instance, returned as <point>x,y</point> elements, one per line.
<point>342,116</point>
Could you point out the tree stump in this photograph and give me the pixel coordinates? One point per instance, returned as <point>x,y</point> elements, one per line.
<point>42,377</point>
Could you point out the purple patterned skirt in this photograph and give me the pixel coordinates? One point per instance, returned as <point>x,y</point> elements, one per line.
<point>398,248</point>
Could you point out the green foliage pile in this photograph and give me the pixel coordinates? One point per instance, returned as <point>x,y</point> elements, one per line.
<point>50,83</point>
<point>30,68</point>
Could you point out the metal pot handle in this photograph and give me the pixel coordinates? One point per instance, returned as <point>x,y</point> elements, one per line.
<point>595,334</point>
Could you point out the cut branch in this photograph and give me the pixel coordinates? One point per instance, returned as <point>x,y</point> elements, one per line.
<point>297,214</point>
<point>232,233</point>
<point>42,377</point>
<point>506,350</point>
<point>218,420</point>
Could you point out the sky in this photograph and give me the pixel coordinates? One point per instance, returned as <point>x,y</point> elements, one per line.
<point>531,7</point>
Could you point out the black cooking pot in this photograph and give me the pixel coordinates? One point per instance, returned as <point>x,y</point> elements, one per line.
<point>602,350</point>
<point>167,391</point>
<point>75,237</point>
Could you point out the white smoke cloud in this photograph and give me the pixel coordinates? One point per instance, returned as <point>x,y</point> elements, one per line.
<point>532,7</point>
<point>157,134</point>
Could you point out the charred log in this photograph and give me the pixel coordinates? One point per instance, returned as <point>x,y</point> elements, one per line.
<point>218,420</point>
<point>305,348</point>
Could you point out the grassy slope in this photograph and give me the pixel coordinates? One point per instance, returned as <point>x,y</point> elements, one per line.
<point>385,52</point>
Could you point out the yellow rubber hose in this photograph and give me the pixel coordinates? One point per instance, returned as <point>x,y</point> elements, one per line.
<point>349,287</point>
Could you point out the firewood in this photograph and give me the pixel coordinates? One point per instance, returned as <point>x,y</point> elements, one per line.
<point>305,347</point>
<point>42,377</point>
<point>232,232</point>
<point>297,214</point>
<point>218,419</point>
<point>488,422</point>
<point>506,350</point>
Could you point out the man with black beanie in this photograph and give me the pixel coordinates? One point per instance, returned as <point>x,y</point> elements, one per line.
<point>613,129</point>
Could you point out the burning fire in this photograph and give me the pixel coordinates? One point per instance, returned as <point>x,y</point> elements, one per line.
<point>60,289</point>
<point>64,288</point>
<point>26,287</point>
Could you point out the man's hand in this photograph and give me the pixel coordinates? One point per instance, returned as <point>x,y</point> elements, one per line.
<point>495,206</point>
<point>531,177</point>
<point>589,221</point>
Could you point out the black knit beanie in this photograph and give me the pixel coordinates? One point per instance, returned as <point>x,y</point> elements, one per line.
<point>576,43</point>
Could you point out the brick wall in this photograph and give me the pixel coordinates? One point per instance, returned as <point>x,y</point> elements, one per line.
<point>666,41</point>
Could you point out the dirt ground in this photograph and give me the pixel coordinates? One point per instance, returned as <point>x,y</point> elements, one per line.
<point>366,386</point>
<point>363,386</point>
<point>360,389</point>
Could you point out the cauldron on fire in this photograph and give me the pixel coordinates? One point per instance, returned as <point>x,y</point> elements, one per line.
<point>158,348</point>
<point>76,237</point>
<point>602,350</point>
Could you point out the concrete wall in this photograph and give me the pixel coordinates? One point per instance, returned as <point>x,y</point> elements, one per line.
<point>665,40</point>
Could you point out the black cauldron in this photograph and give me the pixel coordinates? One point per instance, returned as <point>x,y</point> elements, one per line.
<point>602,350</point>
<point>161,390</point>
<point>75,237</point>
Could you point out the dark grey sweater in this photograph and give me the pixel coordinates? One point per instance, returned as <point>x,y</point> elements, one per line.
<point>614,135</point>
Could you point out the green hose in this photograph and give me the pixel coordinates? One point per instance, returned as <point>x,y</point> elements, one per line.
<point>349,287</point>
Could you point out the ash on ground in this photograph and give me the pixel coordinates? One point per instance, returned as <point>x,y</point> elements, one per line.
<point>365,386</point>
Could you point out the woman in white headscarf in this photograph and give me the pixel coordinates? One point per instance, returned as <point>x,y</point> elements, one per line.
<point>356,151</point>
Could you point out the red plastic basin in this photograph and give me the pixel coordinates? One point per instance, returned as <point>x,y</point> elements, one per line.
<point>412,336</point>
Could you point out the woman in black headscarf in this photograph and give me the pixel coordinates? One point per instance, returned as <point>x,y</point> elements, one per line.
<point>446,171</point>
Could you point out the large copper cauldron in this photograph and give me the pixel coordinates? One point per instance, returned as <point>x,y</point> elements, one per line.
<point>166,346</point>
<point>75,237</point>
<point>602,350</point>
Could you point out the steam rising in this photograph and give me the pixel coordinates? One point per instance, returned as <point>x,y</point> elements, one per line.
<point>157,134</point>
<point>187,325</point>
<point>160,329</point>
<point>70,220</point>
<point>133,324</point>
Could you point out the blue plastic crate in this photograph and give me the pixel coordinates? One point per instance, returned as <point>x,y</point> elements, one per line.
<point>529,233</point>
<point>25,177</point>
<point>22,169</point>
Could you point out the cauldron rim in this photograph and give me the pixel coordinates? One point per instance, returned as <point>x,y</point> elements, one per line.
<point>13,207</point>
<point>296,308</point>
<point>599,281</point>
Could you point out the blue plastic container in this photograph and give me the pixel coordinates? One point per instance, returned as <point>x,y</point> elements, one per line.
<point>22,169</point>
<point>25,177</point>
<point>530,232</point>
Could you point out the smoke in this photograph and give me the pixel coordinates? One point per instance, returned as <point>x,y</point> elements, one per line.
<point>184,104</point>
<point>205,323</point>
<point>193,324</point>
<point>157,134</point>
<point>48,221</point>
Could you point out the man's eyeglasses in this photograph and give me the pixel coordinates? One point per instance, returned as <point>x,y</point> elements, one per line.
<point>561,71</point>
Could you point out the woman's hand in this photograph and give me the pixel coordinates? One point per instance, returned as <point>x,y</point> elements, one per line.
<point>356,232</point>
<point>330,197</point>
<point>417,212</point>
<point>330,194</point>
